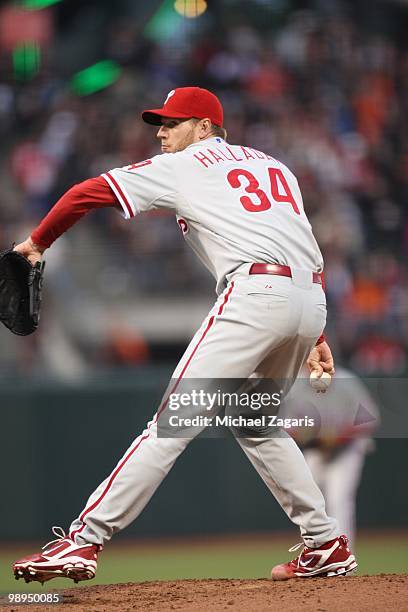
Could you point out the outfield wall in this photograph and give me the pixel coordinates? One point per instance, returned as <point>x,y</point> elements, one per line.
<point>58,441</point>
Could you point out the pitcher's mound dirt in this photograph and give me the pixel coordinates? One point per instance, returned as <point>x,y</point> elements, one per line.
<point>368,593</point>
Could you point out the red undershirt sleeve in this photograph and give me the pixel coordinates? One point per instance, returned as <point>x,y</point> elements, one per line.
<point>71,207</point>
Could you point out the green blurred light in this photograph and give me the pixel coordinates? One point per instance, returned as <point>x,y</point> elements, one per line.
<point>164,22</point>
<point>26,61</point>
<point>95,77</point>
<point>36,5</point>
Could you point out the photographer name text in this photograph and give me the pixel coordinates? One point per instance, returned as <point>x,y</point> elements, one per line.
<point>240,421</point>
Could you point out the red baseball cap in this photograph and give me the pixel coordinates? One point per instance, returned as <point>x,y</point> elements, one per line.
<point>185,103</point>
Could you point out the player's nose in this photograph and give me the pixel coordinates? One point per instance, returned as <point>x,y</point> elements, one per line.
<point>161,132</point>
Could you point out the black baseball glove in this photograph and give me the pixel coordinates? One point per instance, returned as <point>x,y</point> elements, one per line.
<point>20,292</point>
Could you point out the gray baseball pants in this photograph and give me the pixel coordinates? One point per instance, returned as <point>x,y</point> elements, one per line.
<point>260,323</point>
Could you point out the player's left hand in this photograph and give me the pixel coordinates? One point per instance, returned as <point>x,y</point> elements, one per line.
<point>321,360</point>
<point>31,251</point>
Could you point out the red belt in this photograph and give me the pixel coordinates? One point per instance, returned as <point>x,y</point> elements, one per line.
<point>263,268</point>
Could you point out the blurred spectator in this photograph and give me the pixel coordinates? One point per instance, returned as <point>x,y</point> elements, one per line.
<point>125,347</point>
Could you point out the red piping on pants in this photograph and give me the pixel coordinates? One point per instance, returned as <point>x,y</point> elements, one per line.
<point>154,420</point>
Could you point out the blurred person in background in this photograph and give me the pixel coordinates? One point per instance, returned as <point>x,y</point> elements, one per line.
<point>336,447</point>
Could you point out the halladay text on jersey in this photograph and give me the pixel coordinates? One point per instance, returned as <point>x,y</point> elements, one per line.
<point>214,155</point>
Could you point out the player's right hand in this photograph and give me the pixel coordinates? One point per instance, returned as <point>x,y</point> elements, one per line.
<point>321,360</point>
<point>31,251</point>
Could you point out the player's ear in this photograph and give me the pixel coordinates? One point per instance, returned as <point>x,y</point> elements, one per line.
<point>204,126</point>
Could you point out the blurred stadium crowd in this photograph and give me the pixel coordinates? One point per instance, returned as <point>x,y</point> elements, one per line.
<point>318,89</point>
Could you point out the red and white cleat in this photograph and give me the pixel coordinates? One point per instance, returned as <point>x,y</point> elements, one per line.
<point>332,559</point>
<point>61,558</point>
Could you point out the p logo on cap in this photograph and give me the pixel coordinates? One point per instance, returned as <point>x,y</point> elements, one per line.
<point>171,93</point>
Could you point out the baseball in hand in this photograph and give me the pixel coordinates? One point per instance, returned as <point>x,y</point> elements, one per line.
<point>320,384</point>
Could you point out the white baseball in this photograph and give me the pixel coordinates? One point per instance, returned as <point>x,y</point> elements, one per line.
<point>322,383</point>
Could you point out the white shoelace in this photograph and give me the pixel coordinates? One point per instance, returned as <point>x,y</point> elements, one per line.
<point>296,547</point>
<point>57,531</point>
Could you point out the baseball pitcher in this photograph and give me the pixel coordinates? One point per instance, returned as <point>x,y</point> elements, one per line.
<point>241,211</point>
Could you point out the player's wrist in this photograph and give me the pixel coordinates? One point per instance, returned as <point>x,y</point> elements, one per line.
<point>38,248</point>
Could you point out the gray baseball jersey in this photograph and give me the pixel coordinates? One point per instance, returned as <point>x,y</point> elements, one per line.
<point>234,205</point>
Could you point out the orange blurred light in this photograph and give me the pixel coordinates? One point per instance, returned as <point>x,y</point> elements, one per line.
<point>190,8</point>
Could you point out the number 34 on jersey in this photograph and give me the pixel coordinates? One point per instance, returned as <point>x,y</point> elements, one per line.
<point>257,199</point>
